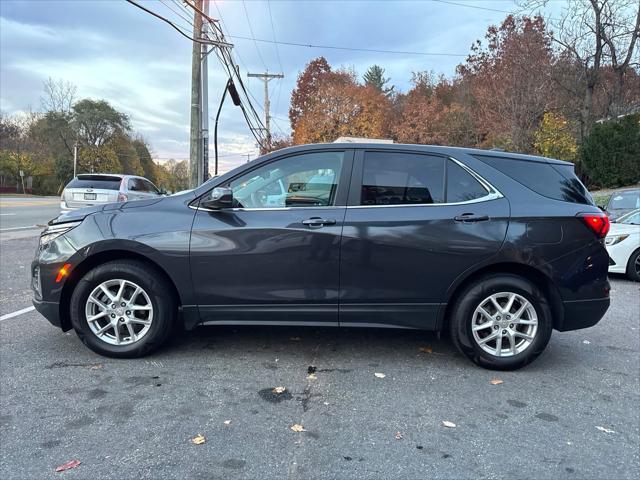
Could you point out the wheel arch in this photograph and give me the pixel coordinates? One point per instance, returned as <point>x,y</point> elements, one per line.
<point>95,260</point>
<point>528,272</point>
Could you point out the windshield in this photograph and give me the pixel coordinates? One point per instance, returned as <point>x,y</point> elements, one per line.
<point>624,200</point>
<point>631,218</point>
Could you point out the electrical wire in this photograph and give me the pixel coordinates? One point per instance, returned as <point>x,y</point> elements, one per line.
<point>273,30</point>
<point>246,12</point>
<point>150,12</point>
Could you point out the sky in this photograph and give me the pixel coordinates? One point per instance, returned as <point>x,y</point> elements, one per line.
<point>112,50</point>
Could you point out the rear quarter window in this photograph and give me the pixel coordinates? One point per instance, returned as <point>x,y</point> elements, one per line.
<point>96,182</point>
<point>555,181</point>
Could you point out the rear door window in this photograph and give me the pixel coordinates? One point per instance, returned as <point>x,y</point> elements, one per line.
<point>103,182</point>
<point>461,186</point>
<point>396,178</point>
<point>556,181</point>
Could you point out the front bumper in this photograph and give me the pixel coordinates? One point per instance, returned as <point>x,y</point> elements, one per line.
<point>49,310</point>
<point>583,313</point>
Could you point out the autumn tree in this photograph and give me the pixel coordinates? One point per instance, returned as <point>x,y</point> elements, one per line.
<point>122,146</point>
<point>374,77</point>
<point>431,114</point>
<point>509,80</point>
<point>595,34</point>
<point>149,168</point>
<point>306,85</point>
<point>554,138</point>
<point>98,159</point>
<point>96,121</point>
<point>339,106</point>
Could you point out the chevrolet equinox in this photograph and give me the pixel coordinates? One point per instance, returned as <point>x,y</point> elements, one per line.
<point>497,249</point>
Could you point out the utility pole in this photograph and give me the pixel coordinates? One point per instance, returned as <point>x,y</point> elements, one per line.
<point>75,158</point>
<point>205,97</point>
<point>266,77</point>
<point>195,142</point>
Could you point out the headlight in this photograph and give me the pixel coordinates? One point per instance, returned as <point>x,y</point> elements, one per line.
<point>612,240</point>
<point>54,231</point>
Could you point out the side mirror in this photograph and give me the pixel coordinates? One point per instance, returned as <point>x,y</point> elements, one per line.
<point>219,197</point>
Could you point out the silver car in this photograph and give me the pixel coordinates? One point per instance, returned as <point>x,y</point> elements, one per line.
<point>95,188</point>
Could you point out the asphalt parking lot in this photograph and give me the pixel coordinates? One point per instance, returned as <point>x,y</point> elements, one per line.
<point>135,418</point>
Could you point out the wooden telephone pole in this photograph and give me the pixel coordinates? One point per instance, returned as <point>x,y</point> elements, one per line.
<point>195,142</point>
<point>266,77</point>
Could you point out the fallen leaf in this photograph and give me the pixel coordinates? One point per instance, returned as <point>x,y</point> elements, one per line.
<point>379,375</point>
<point>227,422</point>
<point>426,349</point>
<point>398,435</point>
<point>448,424</point>
<point>496,381</point>
<point>68,466</point>
<point>96,367</point>
<point>312,376</point>
<point>279,390</point>
<point>296,427</point>
<point>605,430</point>
<point>198,439</point>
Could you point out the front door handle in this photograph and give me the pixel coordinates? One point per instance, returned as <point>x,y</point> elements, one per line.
<point>471,217</point>
<point>318,222</point>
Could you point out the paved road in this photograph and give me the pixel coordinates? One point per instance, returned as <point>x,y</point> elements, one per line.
<point>134,419</point>
<point>18,213</point>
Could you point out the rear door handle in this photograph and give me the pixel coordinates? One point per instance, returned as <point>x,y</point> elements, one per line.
<point>471,217</point>
<point>318,222</point>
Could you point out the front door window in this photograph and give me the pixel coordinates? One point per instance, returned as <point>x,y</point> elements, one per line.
<point>307,180</point>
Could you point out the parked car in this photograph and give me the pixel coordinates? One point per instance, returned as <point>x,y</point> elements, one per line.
<point>621,202</point>
<point>91,189</point>
<point>623,245</point>
<point>498,249</point>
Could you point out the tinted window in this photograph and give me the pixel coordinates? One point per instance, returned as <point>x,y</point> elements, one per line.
<point>307,180</point>
<point>135,185</point>
<point>96,182</point>
<point>391,178</point>
<point>550,180</point>
<point>461,186</point>
<point>148,186</point>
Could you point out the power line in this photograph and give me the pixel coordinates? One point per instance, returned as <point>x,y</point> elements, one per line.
<point>273,30</point>
<point>246,12</point>
<point>351,49</point>
<point>166,20</point>
<point>472,6</point>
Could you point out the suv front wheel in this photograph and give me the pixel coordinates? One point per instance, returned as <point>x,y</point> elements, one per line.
<point>501,322</point>
<point>122,309</point>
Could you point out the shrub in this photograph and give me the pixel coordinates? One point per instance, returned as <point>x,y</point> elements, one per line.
<point>611,153</point>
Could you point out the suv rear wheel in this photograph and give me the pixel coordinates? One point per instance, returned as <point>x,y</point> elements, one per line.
<point>123,309</point>
<point>501,322</point>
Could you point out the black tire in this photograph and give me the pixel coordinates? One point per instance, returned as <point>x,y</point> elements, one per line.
<point>156,287</point>
<point>460,320</point>
<point>632,273</point>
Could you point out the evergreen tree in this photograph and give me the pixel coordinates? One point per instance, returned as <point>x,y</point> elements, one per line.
<point>375,77</point>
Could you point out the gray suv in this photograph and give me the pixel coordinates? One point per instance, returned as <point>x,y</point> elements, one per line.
<point>91,189</point>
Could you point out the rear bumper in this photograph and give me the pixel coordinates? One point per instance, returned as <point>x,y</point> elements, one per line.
<point>583,313</point>
<point>49,310</point>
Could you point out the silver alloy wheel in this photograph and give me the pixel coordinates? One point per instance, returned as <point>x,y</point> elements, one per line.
<point>119,312</point>
<point>504,324</point>
<point>637,265</point>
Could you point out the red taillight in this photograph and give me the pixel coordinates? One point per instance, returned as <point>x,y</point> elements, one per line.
<point>597,222</point>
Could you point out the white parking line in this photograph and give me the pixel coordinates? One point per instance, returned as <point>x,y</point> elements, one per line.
<point>6,214</point>
<point>18,228</point>
<point>16,313</point>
